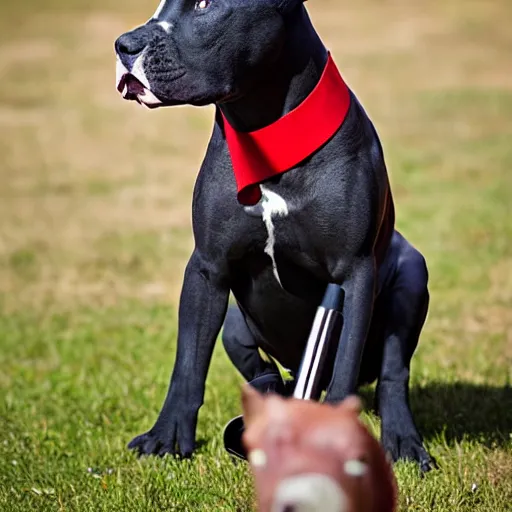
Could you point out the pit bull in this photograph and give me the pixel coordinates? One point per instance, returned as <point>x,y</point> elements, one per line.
<point>293,194</point>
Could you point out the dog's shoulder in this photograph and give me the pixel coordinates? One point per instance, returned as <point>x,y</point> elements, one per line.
<point>220,223</point>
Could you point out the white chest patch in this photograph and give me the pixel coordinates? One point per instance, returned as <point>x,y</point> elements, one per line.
<point>273,205</point>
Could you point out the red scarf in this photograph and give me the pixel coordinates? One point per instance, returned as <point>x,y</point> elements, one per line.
<point>276,148</point>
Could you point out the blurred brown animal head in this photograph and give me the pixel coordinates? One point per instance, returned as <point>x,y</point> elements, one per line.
<point>312,457</point>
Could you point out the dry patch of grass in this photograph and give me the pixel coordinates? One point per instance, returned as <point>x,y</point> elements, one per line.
<point>81,167</point>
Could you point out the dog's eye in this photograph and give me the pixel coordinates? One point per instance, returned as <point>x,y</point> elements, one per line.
<point>202,4</point>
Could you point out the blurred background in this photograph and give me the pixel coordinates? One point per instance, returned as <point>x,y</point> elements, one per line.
<point>95,232</point>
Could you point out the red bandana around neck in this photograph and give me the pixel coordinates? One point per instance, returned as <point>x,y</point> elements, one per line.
<point>274,149</point>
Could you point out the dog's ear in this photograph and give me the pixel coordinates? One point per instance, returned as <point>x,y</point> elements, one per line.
<point>286,6</point>
<point>253,403</point>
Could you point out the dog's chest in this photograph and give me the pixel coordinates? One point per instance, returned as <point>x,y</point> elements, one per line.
<point>281,252</point>
<point>272,206</point>
<point>287,239</point>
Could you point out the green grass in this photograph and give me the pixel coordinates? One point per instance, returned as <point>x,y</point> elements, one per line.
<point>95,233</point>
<point>77,383</point>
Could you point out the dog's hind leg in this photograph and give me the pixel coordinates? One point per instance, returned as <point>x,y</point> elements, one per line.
<point>242,348</point>
<point>406,309</point>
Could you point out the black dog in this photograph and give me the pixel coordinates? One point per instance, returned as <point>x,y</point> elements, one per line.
<point>330,218</point>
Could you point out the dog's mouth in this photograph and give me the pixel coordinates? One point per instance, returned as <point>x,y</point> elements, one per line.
<point>133,88</point>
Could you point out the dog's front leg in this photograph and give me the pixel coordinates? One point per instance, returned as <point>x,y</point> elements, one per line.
<point>357,313</point>
<point>203,305</point>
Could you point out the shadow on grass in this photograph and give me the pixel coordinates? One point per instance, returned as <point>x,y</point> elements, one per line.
<point>459,411</point>
<point>464,411</point>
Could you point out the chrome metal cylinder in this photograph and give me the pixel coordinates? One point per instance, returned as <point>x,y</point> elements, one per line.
<point>323,339</point>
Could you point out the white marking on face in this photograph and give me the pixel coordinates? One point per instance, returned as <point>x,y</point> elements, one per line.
<point>355,468</point>
<point>138,70</point>
<point>165,25</point>
<point>159,9</point>
<point>273,206</point>
<point>310,493</point>
<point>120,71</point>
<point>257,458</point>
<point>148,98</point>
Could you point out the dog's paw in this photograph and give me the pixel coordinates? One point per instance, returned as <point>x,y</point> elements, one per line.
<point>407,447</point>
<point>176,439</point>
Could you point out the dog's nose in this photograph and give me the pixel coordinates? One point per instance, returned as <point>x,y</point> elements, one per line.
<point>129,44</point>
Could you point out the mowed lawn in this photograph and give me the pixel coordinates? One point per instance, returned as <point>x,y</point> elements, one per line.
<point>95,232</point>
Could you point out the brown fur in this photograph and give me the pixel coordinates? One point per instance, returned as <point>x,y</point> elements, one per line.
<point>299,436</point>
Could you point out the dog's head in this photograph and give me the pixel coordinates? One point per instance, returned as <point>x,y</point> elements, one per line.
<point>309,457</point>
<point>201,51</point>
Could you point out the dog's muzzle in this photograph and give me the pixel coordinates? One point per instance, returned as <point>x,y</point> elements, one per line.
<point>133,84</point>
<point>309,493</point>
